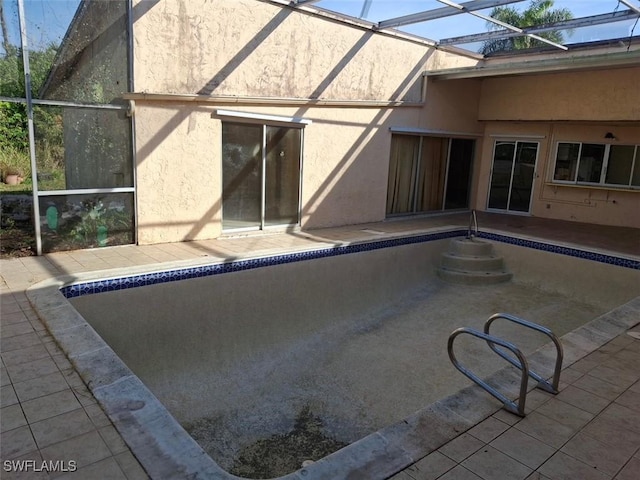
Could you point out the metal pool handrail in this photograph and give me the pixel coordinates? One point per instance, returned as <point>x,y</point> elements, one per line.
<point>492,341</point>
<point>472,231</point>
<point>542,383</point>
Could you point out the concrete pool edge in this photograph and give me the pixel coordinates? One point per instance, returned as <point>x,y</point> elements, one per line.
<point>162,446</point>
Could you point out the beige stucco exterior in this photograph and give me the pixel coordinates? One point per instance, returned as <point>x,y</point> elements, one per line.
<point>564,107</point>
<point>354,85</point>
<point>598,95</point>
<point>589,204</point>
<point>257,49</point>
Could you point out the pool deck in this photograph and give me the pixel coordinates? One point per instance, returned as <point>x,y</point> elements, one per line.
<point>590,430</point>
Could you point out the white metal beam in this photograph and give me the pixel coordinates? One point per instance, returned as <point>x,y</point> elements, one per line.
<point>441,13</point>
<point>366,5</point>
<point>502,24</point>
<point>564,25</point>
<point>633,7</point>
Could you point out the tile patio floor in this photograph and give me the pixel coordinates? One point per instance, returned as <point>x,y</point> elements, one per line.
<point>591,430</point>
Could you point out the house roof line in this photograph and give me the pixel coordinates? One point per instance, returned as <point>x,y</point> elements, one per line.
<point>548,65</point>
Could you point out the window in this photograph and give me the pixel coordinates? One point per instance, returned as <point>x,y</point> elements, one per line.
<point>598,164</point>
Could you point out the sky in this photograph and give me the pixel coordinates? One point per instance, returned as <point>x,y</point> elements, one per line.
<point>47,20</point>
<point>458,25</point>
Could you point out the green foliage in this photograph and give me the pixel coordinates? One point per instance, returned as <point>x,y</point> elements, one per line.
<point>11,76</point>
<point>95,216</point>
<point>13,126</point>
<point>11,70</point>
<point>49,131</point>
<point>14,161</point>
<point>14,137</point>
<point>540,12</point>
<point>40,62</point>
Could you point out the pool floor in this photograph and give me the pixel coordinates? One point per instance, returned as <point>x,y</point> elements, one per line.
<point>363,374</point>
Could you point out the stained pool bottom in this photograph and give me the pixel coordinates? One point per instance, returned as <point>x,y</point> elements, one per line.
<point>343,383</point>
<point>278,454</point>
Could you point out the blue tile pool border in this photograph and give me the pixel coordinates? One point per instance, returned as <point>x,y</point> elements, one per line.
<point>569,251</point>
<point>175,275</point>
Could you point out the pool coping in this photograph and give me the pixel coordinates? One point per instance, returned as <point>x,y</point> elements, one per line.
<point>166,450</point>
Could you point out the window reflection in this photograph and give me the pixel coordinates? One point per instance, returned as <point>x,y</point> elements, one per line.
<point>70,222</point>
<point>80,148</point>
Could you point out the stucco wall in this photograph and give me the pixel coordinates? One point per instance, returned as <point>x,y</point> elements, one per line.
<point>344,170</point>
<point>604,206</point>
<point>257,49</point>
<point>178,173</point>
<point>600,95</point>
<point>254,48</point>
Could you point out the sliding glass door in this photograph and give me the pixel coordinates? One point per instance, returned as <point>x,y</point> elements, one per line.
<point>428,174</point>
<point>512,175</point>
<point>260,175</point>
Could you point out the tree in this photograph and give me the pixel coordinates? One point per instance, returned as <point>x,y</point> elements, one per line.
<point>540,12</point>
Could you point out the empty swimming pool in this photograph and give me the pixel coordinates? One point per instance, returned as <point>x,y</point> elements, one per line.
<point>352,339</point>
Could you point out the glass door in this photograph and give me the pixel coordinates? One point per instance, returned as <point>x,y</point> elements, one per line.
<point>512,175</point>
<point>282,176</point>
<point>260,175</point>
<point>428,174</point>
<point>241,175</point>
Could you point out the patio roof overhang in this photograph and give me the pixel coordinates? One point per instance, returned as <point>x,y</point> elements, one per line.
<point>624,57</point>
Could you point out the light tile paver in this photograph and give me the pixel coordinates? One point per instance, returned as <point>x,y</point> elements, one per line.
<point>7,395</point>
<point>615,436</point>
<point>26,371</point>
<point>545,429</point>
<point>50,405</point>
<point>40,386</point>
<point>631,471</point>
<point>523,448</point>
<point>582,399</point>
<point>84,449</point>
<point>596,454</point>
<point>17,442</point>
<point>97,415</point>
<point>23,468</point>
<point>565,413</point>
<point>599,387</point>
<point>61,427</point>
<point>491,464</point>
<point>622,417</point>
<point>112,439</point>
<point>564,467</point>
<point>130,466</point>
<point>461,447</point>
<point>12,417</point>
<point>107,469</point>
<point>19,342</point>
<point>460,473</point>
<point>488,429</point>
<point>431,467</point>
<point>617,376</point>
<point>630,399</point>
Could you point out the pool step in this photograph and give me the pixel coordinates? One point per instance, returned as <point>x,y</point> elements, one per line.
<point>472,262</point>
